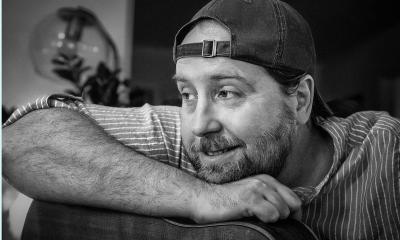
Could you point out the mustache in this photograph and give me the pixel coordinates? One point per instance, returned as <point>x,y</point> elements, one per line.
<point>211,143</point>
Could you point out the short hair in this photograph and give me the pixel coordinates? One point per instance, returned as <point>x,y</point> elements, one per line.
<point>289,82</point>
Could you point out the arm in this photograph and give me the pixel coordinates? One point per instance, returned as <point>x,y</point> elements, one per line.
<point>60,155</point>
<point>42,157</point>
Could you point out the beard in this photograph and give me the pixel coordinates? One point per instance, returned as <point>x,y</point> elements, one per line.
<point>262,154</point>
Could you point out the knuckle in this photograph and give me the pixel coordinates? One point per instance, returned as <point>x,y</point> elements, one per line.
<point>257,184</point>
<point>274,198</point>
<point>268,178</point>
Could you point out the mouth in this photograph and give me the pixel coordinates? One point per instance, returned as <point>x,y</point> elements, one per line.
<point>219,152</point>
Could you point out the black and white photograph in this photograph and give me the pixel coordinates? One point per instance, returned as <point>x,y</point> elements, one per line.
<point>200,120</point>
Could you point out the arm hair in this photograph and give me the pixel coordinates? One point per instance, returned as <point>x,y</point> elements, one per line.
<point>60,155</point>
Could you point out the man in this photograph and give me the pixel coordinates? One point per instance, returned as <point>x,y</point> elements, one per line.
<point>252,137</point>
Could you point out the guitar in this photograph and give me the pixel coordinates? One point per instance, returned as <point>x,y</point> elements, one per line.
<point>59,221</point>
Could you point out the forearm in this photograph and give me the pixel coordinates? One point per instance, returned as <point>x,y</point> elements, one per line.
<point>64,157</point>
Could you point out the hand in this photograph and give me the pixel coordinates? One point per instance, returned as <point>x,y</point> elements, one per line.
<point>260,196</point>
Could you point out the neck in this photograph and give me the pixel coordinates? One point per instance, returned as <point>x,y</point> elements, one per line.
<point>310,159</point>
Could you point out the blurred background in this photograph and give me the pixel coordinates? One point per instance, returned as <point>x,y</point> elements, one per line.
<point>120,54</point>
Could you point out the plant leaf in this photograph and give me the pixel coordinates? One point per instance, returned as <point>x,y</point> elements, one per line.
<point>84,69</point>
<point>58,61</point>
<point>65,73</point>
<point>78,63</point>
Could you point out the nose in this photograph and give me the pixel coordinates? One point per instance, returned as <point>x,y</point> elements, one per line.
<point>205,119</point>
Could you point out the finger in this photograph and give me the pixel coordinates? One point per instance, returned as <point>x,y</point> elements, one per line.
<point>292,200</point>
<point>286,193</point>
<point>274,197</point>
<point>265,211</point>
<point>280,204</point>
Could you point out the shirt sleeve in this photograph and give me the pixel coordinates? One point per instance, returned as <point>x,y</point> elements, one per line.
<point>153,131</point>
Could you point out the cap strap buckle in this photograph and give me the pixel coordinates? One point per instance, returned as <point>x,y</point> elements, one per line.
<point>205,50</point>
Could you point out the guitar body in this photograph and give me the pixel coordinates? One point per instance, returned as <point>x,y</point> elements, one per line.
<point>59,221</point>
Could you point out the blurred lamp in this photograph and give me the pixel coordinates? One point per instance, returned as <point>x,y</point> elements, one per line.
<point>74,34</point>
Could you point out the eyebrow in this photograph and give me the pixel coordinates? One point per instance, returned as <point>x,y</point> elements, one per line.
<point>216,77</point>
<point>177,78</point>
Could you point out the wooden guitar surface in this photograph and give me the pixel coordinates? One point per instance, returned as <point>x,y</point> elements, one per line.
<point>59,221</point>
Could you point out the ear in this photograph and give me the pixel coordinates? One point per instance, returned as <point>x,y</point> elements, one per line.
<point>304,95</point>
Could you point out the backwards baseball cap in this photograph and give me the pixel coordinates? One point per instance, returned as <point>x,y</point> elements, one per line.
<point>267,33</point>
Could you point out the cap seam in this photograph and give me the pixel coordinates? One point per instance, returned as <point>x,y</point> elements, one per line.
<point>284,33</point>
<point>279,48</point>
<point>212,4</point>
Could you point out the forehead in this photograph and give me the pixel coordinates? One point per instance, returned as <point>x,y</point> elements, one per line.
<point>211,68</point>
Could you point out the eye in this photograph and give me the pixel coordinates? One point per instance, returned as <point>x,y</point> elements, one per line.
<point>187,96</point>
<point>226,94</point>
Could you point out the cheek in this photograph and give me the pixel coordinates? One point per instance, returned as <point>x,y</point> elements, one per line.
<point>251,119</point>
<point>186,130</point>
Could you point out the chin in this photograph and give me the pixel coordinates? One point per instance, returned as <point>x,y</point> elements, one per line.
<point>224,173</point>
<point>214,178</point>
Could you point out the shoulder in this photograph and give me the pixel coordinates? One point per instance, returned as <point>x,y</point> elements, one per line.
<point>145,109</point>
<point>164,115</point>
<point>361,129</point>
<point>162,109</point>
<point>366,122</point>
<point>379,121</point>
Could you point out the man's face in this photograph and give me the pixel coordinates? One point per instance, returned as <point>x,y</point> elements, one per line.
<point>235,119</point>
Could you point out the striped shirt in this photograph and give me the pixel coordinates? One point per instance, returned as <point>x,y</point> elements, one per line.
<point>359,198</point>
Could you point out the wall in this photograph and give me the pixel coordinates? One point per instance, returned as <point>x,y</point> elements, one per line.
<point>152,68</point>
<point>20,82</point>
<point>370,70</point>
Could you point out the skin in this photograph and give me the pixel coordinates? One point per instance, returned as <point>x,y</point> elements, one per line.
<point>236,121</point>
<point>239,102</point>
<point>76,162</point>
